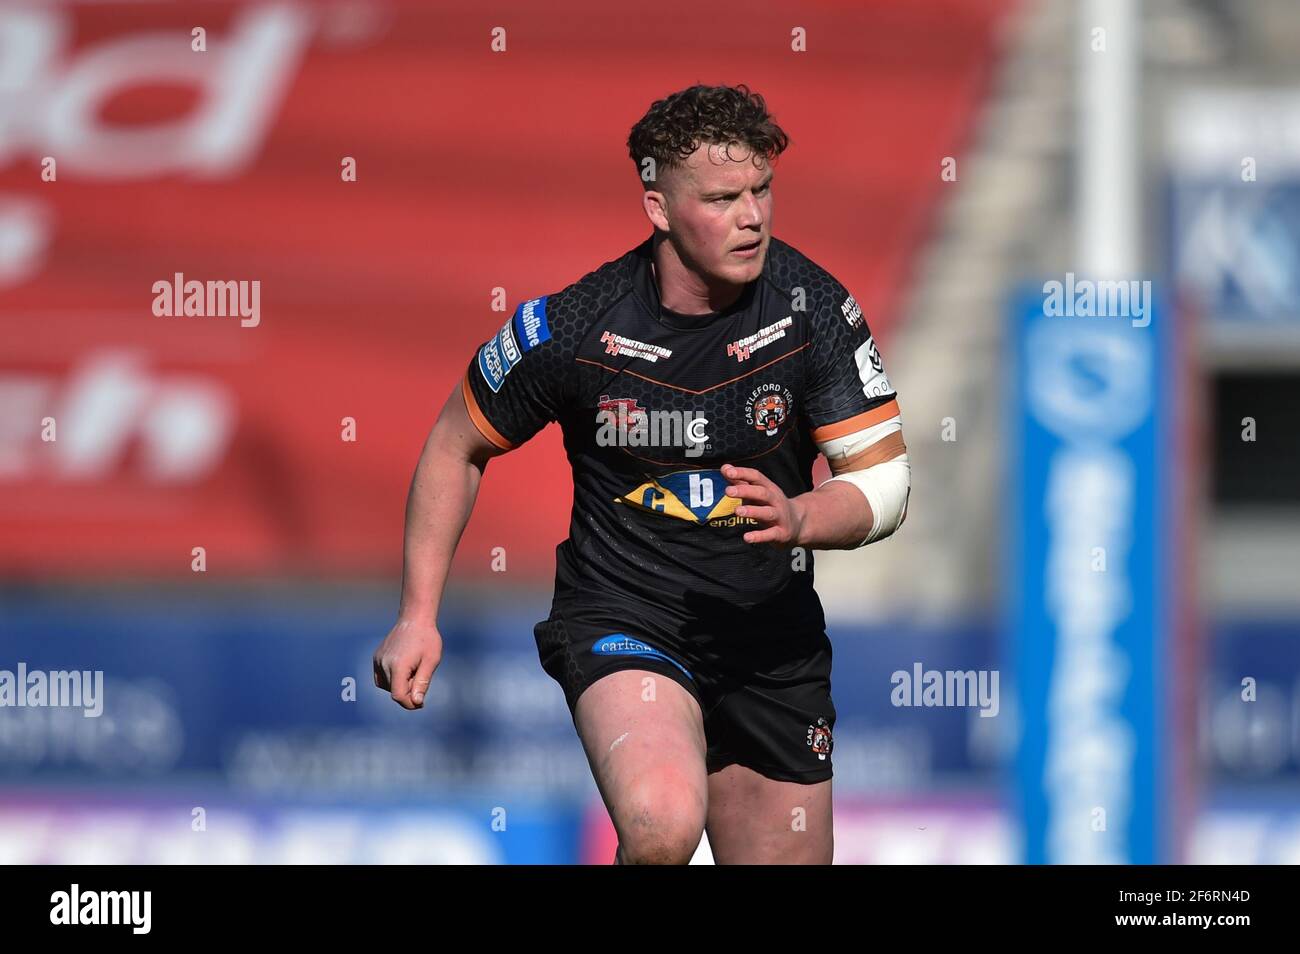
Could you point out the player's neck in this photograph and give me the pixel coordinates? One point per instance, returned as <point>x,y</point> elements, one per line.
<point>683,290</point>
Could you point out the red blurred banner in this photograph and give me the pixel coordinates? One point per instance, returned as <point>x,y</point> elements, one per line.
<point>129,157</point>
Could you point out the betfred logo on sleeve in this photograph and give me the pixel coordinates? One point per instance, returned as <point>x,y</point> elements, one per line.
<point>525,330</point>
<point>492,365</point>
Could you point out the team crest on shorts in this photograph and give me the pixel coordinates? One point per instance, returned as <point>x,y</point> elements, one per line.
<point>819,738</point>
<point>769,406</point>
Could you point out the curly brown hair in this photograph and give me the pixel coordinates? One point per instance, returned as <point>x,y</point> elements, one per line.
<point>675,126</point>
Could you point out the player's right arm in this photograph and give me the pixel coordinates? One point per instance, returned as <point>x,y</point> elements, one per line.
<point>438,506</point>
<point>514,385</point>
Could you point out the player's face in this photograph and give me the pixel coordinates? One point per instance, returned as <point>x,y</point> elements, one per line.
<point>719,212</point>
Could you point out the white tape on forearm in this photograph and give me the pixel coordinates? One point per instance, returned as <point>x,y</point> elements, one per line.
<point>886,487</point>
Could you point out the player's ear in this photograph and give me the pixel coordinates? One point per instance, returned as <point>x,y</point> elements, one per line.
<point>656,208</point>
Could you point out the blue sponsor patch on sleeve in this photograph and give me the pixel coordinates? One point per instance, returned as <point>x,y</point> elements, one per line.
<point>492,366</point>
<point>509,347</point>
<point>530,324</point>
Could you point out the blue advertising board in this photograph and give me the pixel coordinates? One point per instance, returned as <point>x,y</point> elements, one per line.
<point>1090,483</point>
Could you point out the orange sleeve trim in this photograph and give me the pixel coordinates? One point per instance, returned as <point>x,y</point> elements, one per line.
<point>857,422</point>
<point>882,451</point>
<point>480,421</point>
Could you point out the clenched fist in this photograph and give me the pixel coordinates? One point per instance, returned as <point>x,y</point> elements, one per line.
<point>405,661</point>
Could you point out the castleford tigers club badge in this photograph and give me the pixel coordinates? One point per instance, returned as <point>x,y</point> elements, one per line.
<point>769,406</point>
<point>819,738</point>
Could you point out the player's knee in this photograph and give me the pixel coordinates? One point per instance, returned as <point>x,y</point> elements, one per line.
<point>660,845</point>
<point>662,824</point>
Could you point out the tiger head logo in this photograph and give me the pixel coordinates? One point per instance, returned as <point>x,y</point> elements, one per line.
<point>768,408</point>
<point>769,413</point>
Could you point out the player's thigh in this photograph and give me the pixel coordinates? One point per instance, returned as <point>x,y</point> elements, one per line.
<point>757,820</point>
<point>644,737</point>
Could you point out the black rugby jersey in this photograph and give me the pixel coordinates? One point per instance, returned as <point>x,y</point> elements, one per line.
<point>653,403</point>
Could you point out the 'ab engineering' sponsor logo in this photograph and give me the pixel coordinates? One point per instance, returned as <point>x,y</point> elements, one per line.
<point>698,496</point>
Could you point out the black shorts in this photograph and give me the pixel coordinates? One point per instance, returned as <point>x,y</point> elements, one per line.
<point>765,697</point>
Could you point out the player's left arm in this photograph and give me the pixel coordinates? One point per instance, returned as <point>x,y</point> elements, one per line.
<point>864,501</point>
<point>852,413</point>
<point>872,460</point>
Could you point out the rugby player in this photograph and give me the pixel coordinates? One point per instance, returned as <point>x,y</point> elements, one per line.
<point>684,630</point>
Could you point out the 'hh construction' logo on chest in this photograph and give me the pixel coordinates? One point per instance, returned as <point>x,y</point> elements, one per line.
<point>617,344</point>
<point>761,338</point>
